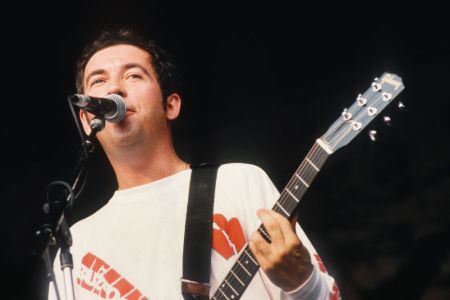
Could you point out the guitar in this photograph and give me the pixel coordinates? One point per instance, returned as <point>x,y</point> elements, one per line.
<point>352,121</point>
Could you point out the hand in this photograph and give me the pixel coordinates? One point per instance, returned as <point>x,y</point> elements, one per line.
<point>285,261</point>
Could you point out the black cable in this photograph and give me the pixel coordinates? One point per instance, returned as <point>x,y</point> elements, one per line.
<point>77,123</point>
<point>49,187</point>
<point>85,148</point>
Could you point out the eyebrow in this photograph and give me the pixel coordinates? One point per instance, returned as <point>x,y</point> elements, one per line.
<point>124,67</point>
<point>135,65</point>
<point>93,73</point>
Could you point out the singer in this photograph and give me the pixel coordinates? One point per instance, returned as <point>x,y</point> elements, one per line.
<point>132,248</point>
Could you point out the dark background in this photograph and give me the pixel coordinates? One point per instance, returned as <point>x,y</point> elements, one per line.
<point>261,83</point>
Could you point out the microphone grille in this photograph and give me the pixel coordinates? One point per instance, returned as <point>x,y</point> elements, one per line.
<point>121,110</point>
<point>79,100</point>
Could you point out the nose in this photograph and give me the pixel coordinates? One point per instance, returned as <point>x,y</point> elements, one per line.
<point>116,88</point>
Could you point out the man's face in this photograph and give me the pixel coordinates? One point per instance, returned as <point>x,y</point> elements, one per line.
<point>127,70</point>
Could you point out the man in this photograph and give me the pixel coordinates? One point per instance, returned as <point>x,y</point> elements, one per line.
<point>132,247</point>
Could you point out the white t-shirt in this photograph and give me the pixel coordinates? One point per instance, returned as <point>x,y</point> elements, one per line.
<point>132,248</point>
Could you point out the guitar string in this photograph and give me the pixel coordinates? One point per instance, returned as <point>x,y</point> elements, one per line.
<point>317,157</point>
<point>240,274</point>
<point>233,280</point>
<point>285,198</point>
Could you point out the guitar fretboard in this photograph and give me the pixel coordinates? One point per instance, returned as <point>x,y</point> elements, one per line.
<point>246,266</point>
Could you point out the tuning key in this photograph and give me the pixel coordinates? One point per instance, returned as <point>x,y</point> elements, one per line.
<point>376,87</point>
<point>387,120</point>
<point>373,135</point>
<point>346,116</point>
<point>361,101</point>
<point>401,106</point>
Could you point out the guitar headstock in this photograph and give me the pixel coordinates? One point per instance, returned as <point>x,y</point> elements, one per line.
<point>366,108</point>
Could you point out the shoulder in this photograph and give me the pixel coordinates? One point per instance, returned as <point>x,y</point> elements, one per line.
<point>238,176</point>
<point>241,170</point>
<point>241,189</point>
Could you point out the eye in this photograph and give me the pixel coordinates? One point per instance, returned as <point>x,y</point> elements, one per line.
<point>134,76</point>
<point>97,81</point>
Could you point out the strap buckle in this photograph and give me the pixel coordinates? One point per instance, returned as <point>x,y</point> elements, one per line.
<point>194,287</point>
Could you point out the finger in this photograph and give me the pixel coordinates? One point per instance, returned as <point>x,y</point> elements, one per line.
<point>285,226</point>
<point>259,242</point>
<point>254,246</point>
<point>272,226</point>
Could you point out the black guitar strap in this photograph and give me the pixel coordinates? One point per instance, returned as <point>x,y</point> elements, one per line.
<point>198,233</point>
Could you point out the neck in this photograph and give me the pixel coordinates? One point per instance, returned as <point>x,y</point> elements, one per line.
<point>145,166</point>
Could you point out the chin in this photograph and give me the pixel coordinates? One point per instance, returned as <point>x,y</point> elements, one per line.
<point>128,137</point>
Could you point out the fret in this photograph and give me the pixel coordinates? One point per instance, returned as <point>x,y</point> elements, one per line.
<point>243,268</point>
<point>312,164</point>
<point>293,192</point>
<point>292,195</point>
<point>223,293</point>
<point>301,179</point>
<point>237,277</point>
<point>283,210</point>
<point>317,156</point>
<point>250,256</point>
<point>231,287</point>
<point>306,172</point>
<point>249,263</point>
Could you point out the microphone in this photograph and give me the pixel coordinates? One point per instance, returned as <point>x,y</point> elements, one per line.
<point>112,107</point>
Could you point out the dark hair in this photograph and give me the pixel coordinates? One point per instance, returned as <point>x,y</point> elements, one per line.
<point>165,69</point>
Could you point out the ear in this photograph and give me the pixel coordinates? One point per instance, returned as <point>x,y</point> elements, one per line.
<point>84,117</point>
<point>173,106</point>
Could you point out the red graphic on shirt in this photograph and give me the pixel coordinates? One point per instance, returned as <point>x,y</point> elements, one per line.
<point>321,265</point>
<point>334,295</point>
<point>99,278</point>
<point>228,237</point>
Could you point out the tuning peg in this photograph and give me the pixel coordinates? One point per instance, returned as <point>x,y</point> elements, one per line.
<point>376,87</point>
<point>346,115</point>
<point>361,100</point>
<point>387,120</point>
<point>371,111</point>
<point>373,135</point>
<point>401,106</point>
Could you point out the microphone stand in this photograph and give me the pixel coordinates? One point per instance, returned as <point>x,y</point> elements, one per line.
<point>55,231</point>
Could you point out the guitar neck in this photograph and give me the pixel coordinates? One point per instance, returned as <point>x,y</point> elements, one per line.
<point>301,180</point>
<point>246,266</point>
